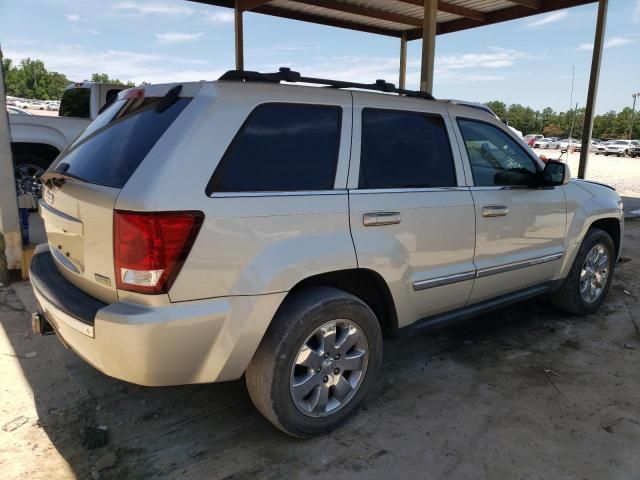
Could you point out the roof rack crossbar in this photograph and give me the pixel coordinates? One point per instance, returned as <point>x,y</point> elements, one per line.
<point>287,75</point>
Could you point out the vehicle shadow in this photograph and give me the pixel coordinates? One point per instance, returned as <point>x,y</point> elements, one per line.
<point>213,431</point>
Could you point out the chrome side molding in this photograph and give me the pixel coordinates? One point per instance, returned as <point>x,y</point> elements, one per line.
<point>507,267</point>
<point>484,272</point>
<point>446,280</point>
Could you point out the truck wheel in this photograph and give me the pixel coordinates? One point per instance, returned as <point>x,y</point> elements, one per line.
<point>28,170</point>
<point>316,362</point>
<point>589,279</point>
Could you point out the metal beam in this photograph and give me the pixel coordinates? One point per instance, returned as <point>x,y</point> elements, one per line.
<point>364,11</point>
<point>428,45</point>
<point>462,11</point>
<point>497,16</point>
<point>403,61</point>
<point>594,76</point>
<point>322,20</point>
<point>534,4</point>
<point>246,5</point>
<point>447,7</point>
<point>239,37</point>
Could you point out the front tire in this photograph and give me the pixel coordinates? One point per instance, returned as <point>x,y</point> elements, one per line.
<point>316,362</point>
<point>589,279</point>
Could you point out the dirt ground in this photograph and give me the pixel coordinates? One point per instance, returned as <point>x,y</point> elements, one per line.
<point>522,393</point>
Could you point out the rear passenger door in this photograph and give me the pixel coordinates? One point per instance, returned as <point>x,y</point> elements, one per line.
<point>412,219</point>
<point>520,227</point>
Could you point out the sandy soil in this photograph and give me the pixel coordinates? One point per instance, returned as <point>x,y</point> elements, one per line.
<point>623,173</point>
<point>525,392</point>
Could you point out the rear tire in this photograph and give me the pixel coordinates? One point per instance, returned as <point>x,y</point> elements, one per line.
<point>572,297</point>
<point>293,354</point>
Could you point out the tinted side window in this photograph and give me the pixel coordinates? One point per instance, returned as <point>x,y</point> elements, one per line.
<point>496,159</point>
<point>282,147</point>
<point>404,150</point>
<point>75,103</point>
<point>110,96</point>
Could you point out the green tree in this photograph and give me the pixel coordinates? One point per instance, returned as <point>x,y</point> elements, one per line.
<point>499,108</point>
<point>30,79</point>
<point>104,78</point>
<point>552,130</point>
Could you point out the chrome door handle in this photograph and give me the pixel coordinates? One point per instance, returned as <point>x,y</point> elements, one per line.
<point>380,218</point>
<point>494,211</point>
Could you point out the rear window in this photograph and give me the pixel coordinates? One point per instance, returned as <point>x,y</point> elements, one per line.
<point>75,103</point>
<point>114,145</point>
<point>282,147</point>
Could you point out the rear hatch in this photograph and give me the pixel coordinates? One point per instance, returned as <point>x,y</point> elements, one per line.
<point>83,184</point>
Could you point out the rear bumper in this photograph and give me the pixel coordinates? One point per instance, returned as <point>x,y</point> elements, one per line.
<point>188,342</point>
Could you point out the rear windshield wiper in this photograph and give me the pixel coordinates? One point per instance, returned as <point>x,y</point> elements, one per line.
<point>57,177</point>
<point>169,99</point>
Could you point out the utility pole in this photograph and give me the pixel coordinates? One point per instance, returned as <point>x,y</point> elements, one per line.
<point>633,111</point>
<point>573,76</point>
<point>573,121</point>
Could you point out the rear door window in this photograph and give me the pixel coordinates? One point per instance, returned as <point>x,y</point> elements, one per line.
<point>115,144</point>
<point>404,150</point>
<point>282,147</point>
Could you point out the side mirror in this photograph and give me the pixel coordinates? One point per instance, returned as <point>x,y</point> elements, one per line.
<point>556,173</point>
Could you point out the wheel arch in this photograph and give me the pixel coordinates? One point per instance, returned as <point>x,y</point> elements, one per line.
<point>363,283</point>
<point>612,227</point>
<point>45,151</point>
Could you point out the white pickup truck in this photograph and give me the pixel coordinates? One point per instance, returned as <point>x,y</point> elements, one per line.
<point>36,140</point>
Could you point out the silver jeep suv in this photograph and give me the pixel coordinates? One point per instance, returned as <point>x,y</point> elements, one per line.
<point>205,231</point>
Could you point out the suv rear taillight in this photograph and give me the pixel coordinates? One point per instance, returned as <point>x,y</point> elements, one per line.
<point>150,248</point>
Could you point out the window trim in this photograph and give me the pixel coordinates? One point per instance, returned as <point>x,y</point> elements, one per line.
<point>536,161</point>
<point>219,168</point>
<point>408,189</point>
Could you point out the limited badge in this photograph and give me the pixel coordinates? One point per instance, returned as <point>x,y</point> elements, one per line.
<point>102,279</point>
<point>49,197</point>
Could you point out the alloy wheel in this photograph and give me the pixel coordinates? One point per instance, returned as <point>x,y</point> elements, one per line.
<point>594,273</point>
<point>329,368</point>
<point>28,179</point>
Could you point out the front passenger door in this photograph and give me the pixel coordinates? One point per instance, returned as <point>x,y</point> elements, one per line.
<point>520,228</point>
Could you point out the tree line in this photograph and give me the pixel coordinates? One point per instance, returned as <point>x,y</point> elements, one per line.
<point>564,124</point>
<point>31,79</point>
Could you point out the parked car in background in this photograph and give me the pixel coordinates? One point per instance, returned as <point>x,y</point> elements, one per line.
<point>17,111</point>
<point>634,150</point>
<point>568,143</point>
<point>30,104</point>
<point>36,140</point>
<point>546,143</point>
<point>531,138</point>
<point>52,105</point>
<point>300,233</point>
<point>619,148</point>
<point>601,147</point>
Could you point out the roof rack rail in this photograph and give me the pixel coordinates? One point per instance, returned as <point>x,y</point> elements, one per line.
<point>287,75</point>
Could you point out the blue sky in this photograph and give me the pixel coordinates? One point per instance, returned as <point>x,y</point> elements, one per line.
<point>527,61</point>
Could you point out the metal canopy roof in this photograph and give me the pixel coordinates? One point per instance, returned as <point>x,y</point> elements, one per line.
<point>395,17</point>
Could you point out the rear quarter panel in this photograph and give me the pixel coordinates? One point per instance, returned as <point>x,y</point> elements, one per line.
<point>252,243</point>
